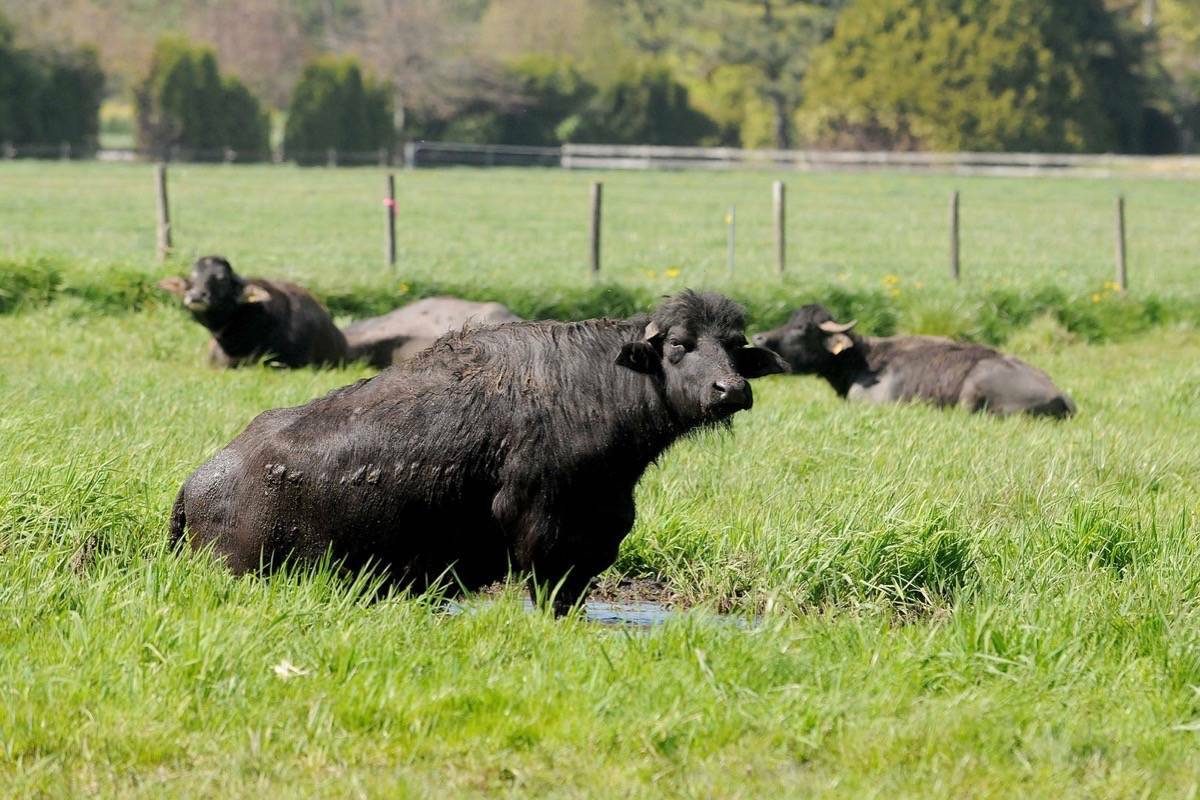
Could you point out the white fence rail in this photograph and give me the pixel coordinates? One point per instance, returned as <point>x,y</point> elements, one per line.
<point>643,157</point>
<point>580,156</point>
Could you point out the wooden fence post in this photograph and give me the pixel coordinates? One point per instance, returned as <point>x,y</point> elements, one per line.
<point>331,157</point>
<point>954,264</point>
<point>164,212</point>
<point>1122,275</point>
<point>780,227</point>
<point>389,207</point>
<point>731,235</point>
<point>64,151</point>
<point>597,196</point>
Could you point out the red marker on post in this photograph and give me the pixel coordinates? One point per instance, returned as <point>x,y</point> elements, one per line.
<point>389,204</point>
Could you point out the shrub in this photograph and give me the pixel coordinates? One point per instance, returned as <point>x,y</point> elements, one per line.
<point>184,102</point>
<point>968,74</point>
<point>551,90</point>
<point>644,105</point>
<point>335,106</point>
<point>48,97</point>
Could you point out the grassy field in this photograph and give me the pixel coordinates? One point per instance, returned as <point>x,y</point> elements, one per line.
<point>660,229</point>
<point>932,604</point>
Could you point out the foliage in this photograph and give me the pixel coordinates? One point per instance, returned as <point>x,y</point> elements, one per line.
<point>184,102</point>
<point>969,75</point>
<point>728,97</point>
<point>644,105</point>
<point>335,106</point>
<point>542,91</point>
<point>551,91</point>
<point>1177,49</point>
<point>48,96</point>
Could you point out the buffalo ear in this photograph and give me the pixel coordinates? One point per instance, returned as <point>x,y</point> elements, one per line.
<point>838,342</point>
<point>639,357</point>
<point>175,285</point>
<point>254,294</point>
<point>755,362</point>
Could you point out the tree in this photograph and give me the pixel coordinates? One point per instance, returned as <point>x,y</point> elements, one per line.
<point>770,40</point>
<point>48,96</point>
<point>551,90</point>
<point>184,102</point>
<point>1176,32</point>
<point>645,105</point>
<point>335,106</point>
<point>977,75</point>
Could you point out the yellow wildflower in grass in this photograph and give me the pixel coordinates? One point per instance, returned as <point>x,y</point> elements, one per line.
<point>1096,297</point>
<point>894,291</point>
<point>1112,286</point>
<point>403,288</point>
<point>842,277</point>
<point>673,272</point>
<point>891,280</point>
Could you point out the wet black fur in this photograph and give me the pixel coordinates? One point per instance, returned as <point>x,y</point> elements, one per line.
<point>925,368</point>
<point>514,447</point>
<point>290,329</point>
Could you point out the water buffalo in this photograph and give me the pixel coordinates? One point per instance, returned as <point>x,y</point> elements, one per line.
<point>252,319</point>
<point>401,334</point>
<point>903,368</point>
<point>508,448</point>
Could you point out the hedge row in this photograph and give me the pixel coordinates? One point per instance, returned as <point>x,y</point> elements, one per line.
<point>989,316</point>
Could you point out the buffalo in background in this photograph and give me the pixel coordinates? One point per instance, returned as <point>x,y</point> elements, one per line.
<point>905,368</point>
<point>399,335</point>
<point>516,447</point>
<point>254,319</point>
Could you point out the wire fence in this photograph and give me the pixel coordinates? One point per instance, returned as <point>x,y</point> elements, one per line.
<point>653,225</point>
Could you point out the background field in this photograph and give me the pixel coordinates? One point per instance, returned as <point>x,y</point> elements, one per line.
<point>530,226</point>
<point>946,605</point>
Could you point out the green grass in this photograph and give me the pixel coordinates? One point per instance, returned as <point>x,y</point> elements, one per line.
<point>948,605</point>
<point>530,226</point>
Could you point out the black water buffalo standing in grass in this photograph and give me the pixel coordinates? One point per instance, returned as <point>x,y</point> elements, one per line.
<point>401,334</point>
<point>514,447</point>
<point>904,368</point>
<point>252,319</point>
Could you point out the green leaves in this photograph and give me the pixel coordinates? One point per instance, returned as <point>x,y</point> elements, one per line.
<point>963,75</point>
<point>184,102</point>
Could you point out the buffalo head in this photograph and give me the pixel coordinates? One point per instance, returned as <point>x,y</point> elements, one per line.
<point>214,290</point>
<point>810,340</point>
<point>695,345</point>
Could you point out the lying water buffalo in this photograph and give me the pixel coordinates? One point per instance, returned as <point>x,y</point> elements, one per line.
<point>902,368</point>
<point>514,447</point>
<point>252,319</point>
<point>401,334</point>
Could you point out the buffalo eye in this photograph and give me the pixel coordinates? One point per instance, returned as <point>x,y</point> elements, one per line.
<point>676,350</point>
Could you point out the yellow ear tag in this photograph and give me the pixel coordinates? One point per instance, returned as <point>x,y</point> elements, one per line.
<point>838,342</point>
<point>255,294</point>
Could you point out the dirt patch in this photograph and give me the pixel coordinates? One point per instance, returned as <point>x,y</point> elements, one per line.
<point>618,591</point>
<point>636,590</point>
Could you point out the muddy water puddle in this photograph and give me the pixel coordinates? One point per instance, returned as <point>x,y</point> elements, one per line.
<point>632,603</point>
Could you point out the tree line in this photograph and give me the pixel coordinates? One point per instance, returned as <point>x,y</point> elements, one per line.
<point>356,75</point>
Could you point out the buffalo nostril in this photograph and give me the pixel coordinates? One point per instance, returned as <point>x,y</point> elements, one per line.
<point>730,392</point>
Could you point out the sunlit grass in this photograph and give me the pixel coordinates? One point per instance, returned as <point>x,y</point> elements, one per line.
<point>948,605</point>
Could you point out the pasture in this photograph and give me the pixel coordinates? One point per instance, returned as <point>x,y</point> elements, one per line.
<point>919,603</point>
